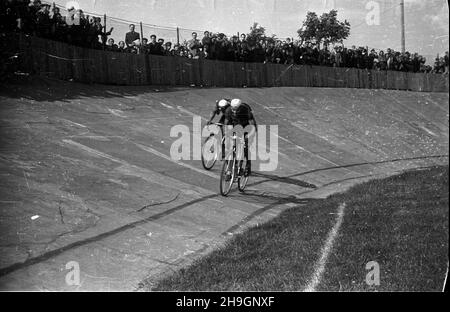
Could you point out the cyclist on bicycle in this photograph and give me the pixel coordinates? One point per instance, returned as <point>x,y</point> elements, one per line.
<point>220,108</point>
<point>239,113</point>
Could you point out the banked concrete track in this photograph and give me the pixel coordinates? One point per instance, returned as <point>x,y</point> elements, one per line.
<point>92,162</point>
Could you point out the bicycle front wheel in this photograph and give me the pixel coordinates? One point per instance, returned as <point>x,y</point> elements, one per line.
<point>209,152</point>
<point>227,176</point>
<point>243,178</point>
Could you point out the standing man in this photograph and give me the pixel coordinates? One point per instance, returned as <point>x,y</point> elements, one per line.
<point>194,45</point>
<point>131,37</point>
<point>206,42</point>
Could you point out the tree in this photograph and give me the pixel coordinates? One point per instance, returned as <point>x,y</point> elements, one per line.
<point>257,32</point>
<point>308,32</point>
<point>326,29</point>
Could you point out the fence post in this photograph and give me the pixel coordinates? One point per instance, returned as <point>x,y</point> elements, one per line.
<point>104,31</point>
<point>178,36</point>
<point>142,35</point>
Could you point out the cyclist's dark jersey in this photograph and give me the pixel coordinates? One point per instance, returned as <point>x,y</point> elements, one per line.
<point>242,117</point>
<point>222,110</point>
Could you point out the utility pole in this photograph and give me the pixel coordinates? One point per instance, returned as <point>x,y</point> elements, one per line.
<point>402,9</point>
<point>142,37</point>
<point>105,38</point>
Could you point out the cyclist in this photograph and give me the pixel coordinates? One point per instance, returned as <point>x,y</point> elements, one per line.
<point>220,108</point>
<point>239,113</point>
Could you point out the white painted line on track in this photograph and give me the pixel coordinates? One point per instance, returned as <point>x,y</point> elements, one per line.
<point>166,105</point>
<point>216,200</point>
<point>155,152</point>
<point>92,151</point>
<point>298,146</point>
<point>144,173</point>
<point>73,123</point>
<point>319,268</point>
<point>117,113</point>
<point>181,109</point>
<point>428,131</point>
<point>310,152</point>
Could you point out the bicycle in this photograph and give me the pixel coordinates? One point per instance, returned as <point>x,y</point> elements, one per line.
<point>232,171</point>
<point>210,148</point>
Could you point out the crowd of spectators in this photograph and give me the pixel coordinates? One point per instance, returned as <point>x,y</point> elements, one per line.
<point>33,17</point>
<point>44,20</point>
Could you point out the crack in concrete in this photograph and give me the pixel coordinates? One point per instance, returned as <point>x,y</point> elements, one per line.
<point>55,252</point>
<point>160,203</point>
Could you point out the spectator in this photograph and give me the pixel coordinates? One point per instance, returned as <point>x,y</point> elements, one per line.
<point>168,49</point>
<point>337,57</point>
<point>439,65</point>
<point>131,37</point>
<point>111,46</point>
<point>122,47</point>
<point>288,51</point>
<point>372,59</point>
<point>382,62</point>
<point>424,68</point>
<point>91,34</point>
<point>144,49</point>
<point>58,26</point>
<point>30,16</point>
<point>34,18</point>
<point>243,49</point>
<point>446,63</point>
<point>98,32</point>
<point>9,19</point>
<point>77,31</point>
<point>177,50</point>
<point>154,47</point>
<point>194,45</point>
<point>206,43</point>
<point>324,57</point>
<point>43,21</point>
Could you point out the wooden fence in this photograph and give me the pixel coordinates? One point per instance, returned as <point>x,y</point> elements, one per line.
<point>62,61</point>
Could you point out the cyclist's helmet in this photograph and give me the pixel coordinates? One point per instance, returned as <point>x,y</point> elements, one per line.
<point>235,104</point>
<point>222,103</point>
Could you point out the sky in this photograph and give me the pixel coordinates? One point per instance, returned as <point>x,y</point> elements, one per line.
<point>375,24</point>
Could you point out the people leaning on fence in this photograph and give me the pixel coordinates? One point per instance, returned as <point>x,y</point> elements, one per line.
<point>77,28</point>
<point>154,47</point>
<point>111,46</point>
<point>168,49</point>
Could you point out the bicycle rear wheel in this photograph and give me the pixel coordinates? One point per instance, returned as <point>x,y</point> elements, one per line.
<point>243,179</point>
<point>209,152</point>
<point>227,176</point>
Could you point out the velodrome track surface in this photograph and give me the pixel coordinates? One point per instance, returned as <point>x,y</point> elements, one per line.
<point>93,163</point>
